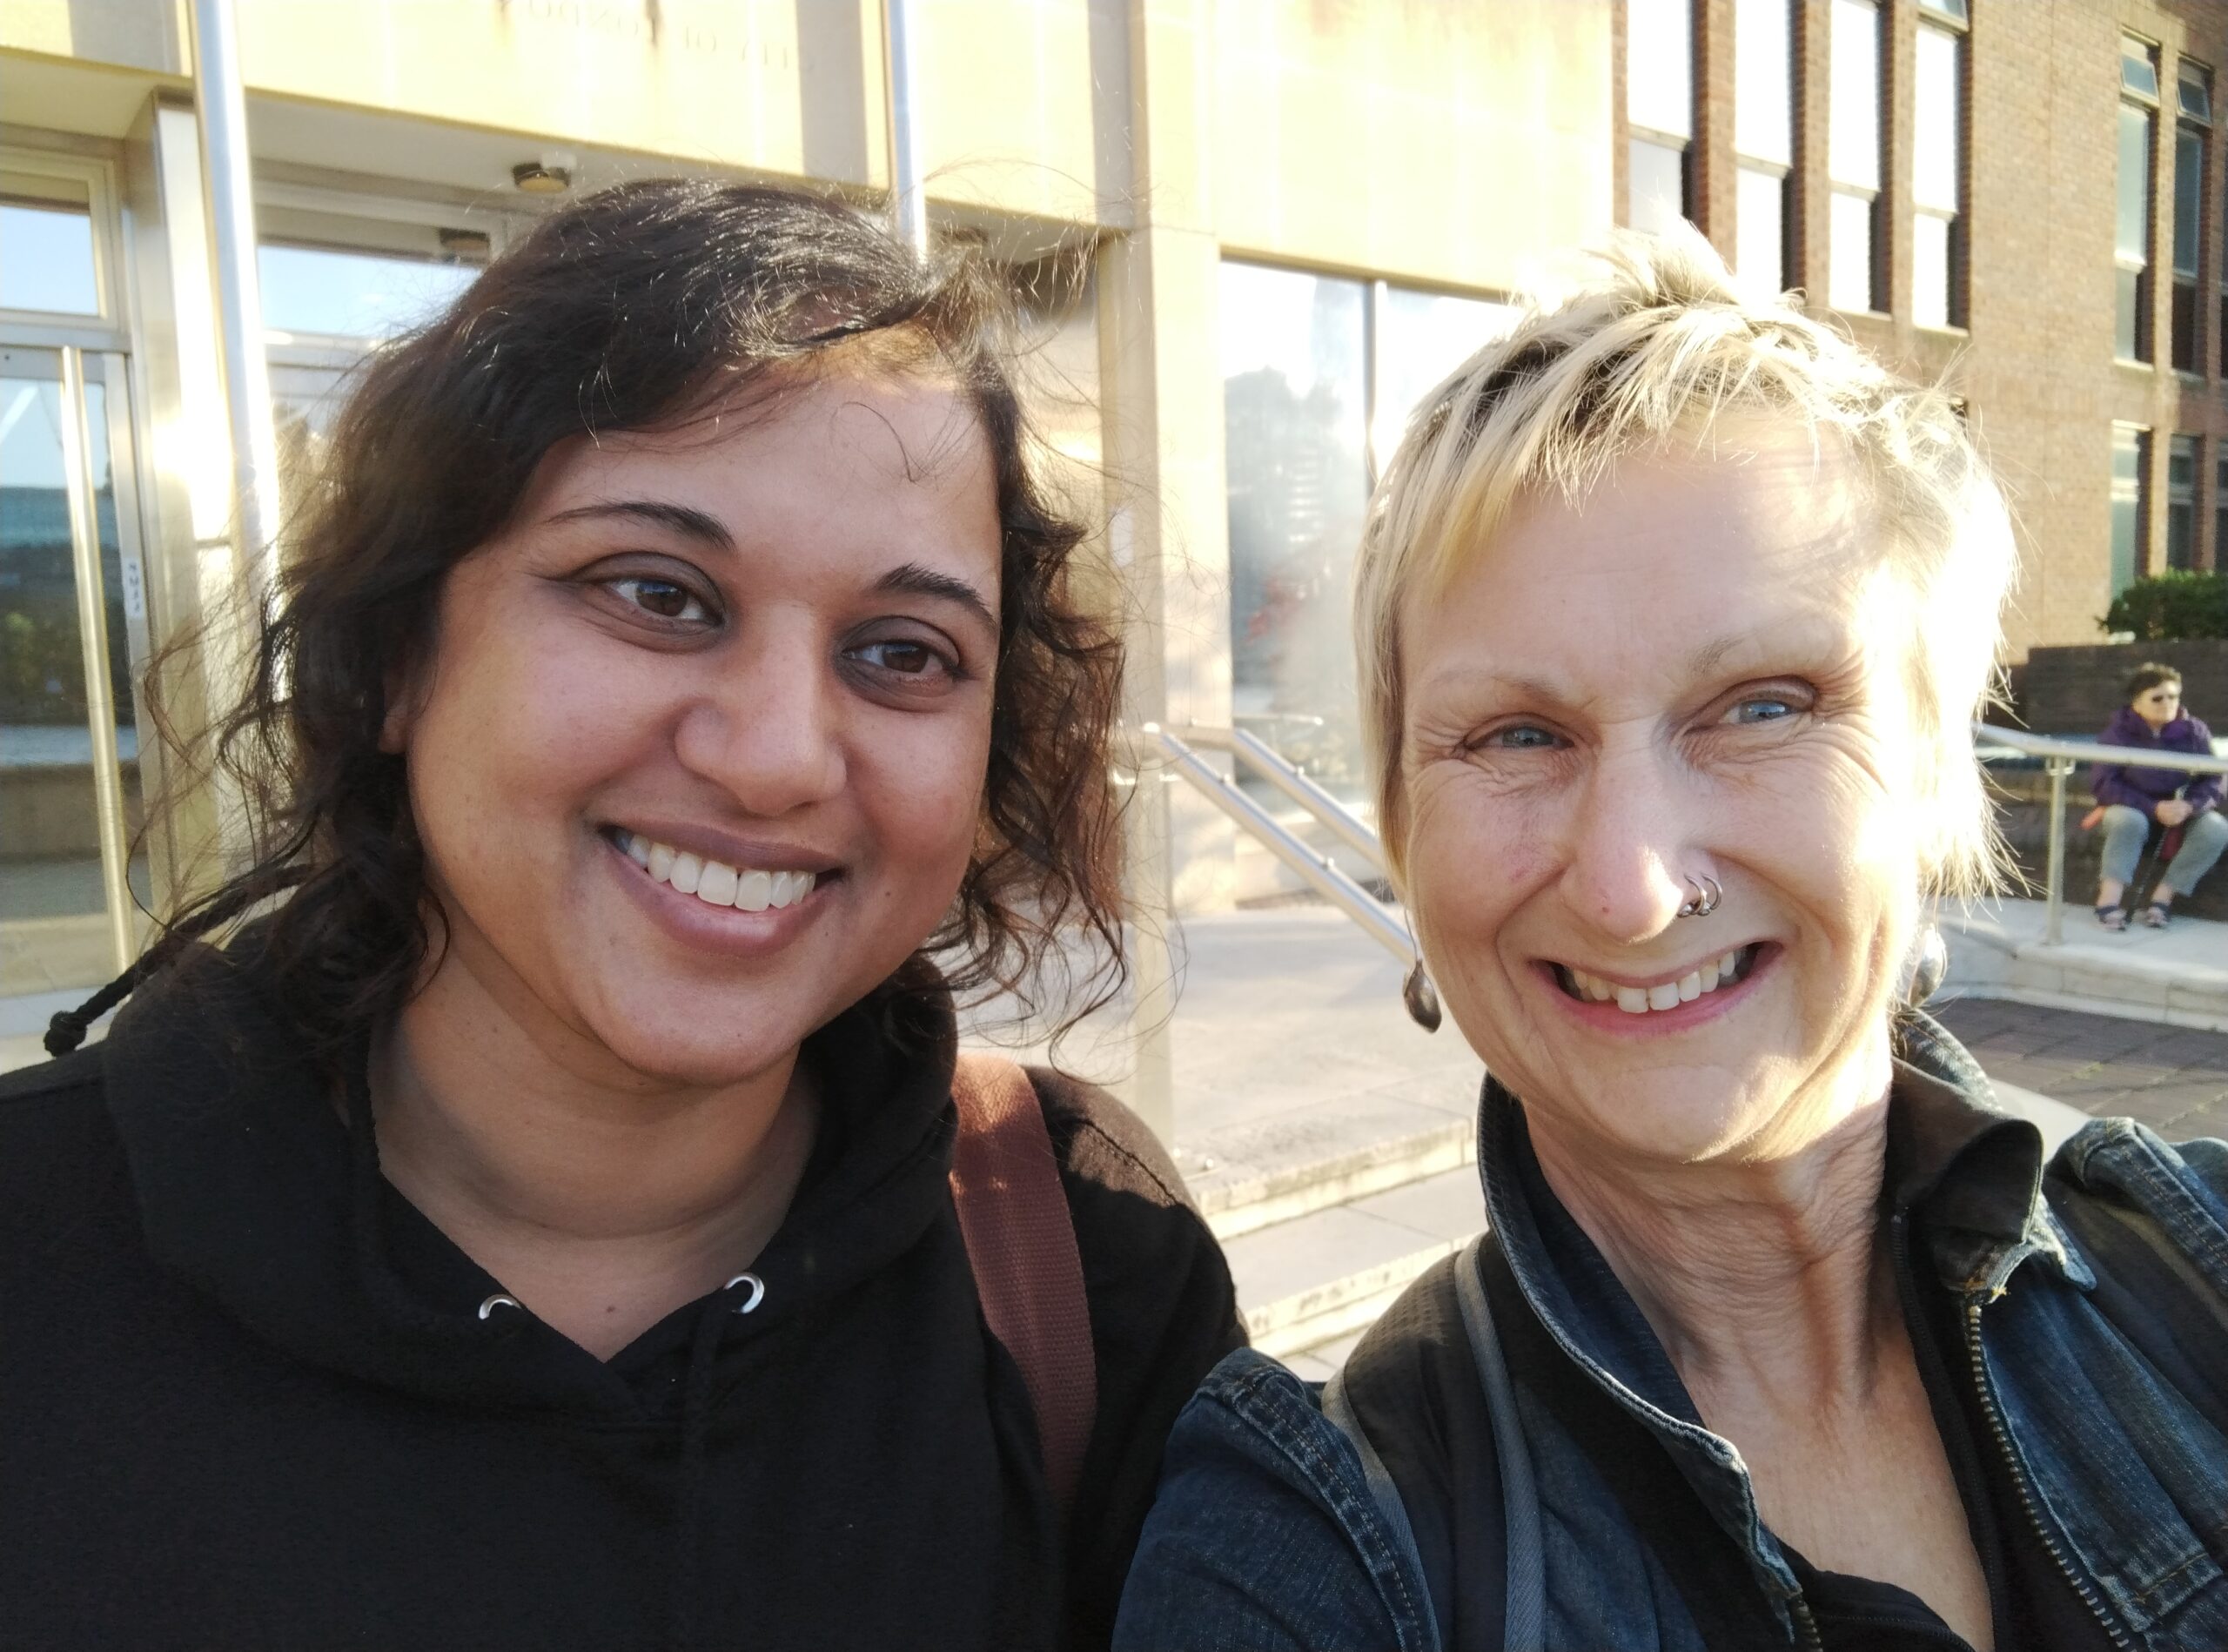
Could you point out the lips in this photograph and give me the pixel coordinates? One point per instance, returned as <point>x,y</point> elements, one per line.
<point>1654,998</point>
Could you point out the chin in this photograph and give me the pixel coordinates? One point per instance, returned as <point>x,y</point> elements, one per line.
<point>700,1038</point>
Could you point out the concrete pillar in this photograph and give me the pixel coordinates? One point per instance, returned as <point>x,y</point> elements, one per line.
<point>1162,411</point>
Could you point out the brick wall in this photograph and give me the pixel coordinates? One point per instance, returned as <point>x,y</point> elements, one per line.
<point>2034,361</point>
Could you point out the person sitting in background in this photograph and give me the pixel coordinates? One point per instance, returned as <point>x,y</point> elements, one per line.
<point>2130,797</point>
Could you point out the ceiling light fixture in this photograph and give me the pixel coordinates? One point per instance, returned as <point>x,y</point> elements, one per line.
<point>551,175</point>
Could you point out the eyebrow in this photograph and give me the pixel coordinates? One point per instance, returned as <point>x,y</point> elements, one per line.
<point>681,519</point>
<point>912,579</point>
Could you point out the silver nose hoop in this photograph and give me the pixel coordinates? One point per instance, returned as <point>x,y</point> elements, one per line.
<point>1708,893</point>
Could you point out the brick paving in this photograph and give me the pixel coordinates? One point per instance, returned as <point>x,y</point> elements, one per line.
<point>2174,1079</point>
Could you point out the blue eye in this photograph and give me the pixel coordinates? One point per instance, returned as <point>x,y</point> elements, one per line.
<point>1762,708</point>
<point>1523,736</point>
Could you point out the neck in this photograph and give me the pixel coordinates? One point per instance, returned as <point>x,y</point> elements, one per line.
<point>601,1198</point>
<point>1762,1276</point>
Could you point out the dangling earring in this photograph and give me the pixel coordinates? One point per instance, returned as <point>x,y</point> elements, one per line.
<point>1416,989</point>
<point>1930,963</point>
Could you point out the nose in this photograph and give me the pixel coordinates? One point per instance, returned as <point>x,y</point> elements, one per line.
<point>766,726</point>
<point>1631,850</point>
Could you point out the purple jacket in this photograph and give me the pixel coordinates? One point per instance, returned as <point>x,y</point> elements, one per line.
<point>2144,788</point>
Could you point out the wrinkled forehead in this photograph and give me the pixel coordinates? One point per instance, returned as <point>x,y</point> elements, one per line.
<point>1736,531</point>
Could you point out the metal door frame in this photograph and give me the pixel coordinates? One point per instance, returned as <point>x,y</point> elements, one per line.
<point>71,367</point>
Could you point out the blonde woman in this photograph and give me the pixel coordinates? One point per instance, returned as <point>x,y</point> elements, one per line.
<point>1673,612</point>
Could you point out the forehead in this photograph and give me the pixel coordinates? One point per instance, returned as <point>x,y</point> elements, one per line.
<point>1678,562</point>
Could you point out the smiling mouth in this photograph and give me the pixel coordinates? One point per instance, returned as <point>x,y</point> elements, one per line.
<point>714,882</point>
<point>1714,974</point>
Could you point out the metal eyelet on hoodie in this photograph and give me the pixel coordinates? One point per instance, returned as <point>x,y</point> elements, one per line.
<point>757,1290</point>
<point>498,1301</point>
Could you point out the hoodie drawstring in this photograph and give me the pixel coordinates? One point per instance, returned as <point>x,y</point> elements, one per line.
<point>695,1428</point>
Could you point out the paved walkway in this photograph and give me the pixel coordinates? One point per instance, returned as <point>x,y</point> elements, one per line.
<point>2174,1080</point>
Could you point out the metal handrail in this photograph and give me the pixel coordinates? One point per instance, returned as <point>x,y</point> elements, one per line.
<point>1286,777</point>
<point>2059,757</point>
<point>1321,873</point>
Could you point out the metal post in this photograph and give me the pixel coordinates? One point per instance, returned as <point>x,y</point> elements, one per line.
<point>79,490</point>
<point>229,194</point>
<point>2054,913</point>
<point>909,206</point>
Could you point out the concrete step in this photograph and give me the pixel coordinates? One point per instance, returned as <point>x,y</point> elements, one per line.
<point>1328,1274</point>
<point>1249,1176</point>
<point>2177,976</point>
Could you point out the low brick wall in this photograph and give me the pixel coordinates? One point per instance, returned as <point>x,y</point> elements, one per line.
<point>2023,801</point>
<point>2075,690</point>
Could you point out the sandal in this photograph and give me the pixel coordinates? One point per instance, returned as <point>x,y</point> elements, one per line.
<point>2112,917</point>
<point>2156,916</point>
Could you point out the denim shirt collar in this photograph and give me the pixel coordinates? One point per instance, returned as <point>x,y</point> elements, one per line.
<point>1973,1169</point>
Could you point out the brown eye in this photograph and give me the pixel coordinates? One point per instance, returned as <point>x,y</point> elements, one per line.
<point>663,598</point>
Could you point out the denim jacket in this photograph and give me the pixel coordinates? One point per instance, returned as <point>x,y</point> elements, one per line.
<point>2078,1285</point>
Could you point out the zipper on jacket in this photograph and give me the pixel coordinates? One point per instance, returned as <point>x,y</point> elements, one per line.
<point>2019,1479</point>
<point>1814,1639</point>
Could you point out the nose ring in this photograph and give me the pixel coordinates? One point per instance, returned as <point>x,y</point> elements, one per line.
<point>1708,893</point>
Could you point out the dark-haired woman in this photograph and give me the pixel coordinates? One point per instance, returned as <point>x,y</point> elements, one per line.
<point>2131,799</point>
<point>536,1227</point>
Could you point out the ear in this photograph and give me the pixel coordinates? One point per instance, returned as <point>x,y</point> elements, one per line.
<point>400,689</point>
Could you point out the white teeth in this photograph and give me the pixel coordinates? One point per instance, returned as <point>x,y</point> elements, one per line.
<point>715,883</point>
<point>1668,995</point>
<point>716,887</point>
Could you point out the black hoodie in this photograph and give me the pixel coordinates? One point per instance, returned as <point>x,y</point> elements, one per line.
<point>249,1400</point>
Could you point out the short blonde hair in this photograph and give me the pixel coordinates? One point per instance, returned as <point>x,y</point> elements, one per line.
<point>1653,344</point>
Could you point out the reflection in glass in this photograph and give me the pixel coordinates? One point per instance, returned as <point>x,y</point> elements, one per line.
<point>1659,186</point>
<point>1762,65</point>
<point>353,295</point>
<point>1421,338</point>
<point>1659,66</point>
<point>1853,145</point>
<point>1936,160</point>
<point>1294,413</point>
<point>2130,455</point>
<point>1931,271</point>
<point>50,822</point>
<point>1848,231</point>
<point>1759,242</point>
<point>46,259</point>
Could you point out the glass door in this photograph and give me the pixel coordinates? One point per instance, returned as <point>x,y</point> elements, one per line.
<point>73,638</point>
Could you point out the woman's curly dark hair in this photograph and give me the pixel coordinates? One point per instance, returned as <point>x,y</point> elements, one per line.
<point>639,308</point>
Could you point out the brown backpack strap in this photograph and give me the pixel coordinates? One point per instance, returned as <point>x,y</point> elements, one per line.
<point>1021,1242</point>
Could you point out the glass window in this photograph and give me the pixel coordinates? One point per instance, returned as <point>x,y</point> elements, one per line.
<point>1659,186</point>
<point>1660,66</point>
<point>1953,10</point>
<point>2138,68</point>
<point>1760,264</point>
<point>1935,95</point>
<point>2219,502</point>
<point>333,292</point>
<point>1762,63</point>
<point>2195,93</point>
<point>1849,247</point>
<point>2189,197</point>
<point>46,258</point>
<point>1421,338</point>
<point>2132,222</point>
<point>2181,502</point>
<point>1853,147</point>
<point>1295,387</point>
<point>2130,454</point>
<point>1931,282</point>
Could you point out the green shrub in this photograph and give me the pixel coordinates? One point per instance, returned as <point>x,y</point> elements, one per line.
<point>2172,606</point>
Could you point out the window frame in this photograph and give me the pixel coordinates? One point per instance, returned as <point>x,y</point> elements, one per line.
<point>1680,144</point>
<point>108,327</point>
<point>1957,29</point>
<point>2145,343</point>
<point>2183,496</point>
<point>2186,324</point>
<point>1877,298</point>
<point>2139,551</point>
<point>1780,170</point>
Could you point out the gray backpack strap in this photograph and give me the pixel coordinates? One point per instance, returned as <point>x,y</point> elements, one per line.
<point>1339,1411</point>
<point>1524,1618</point>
